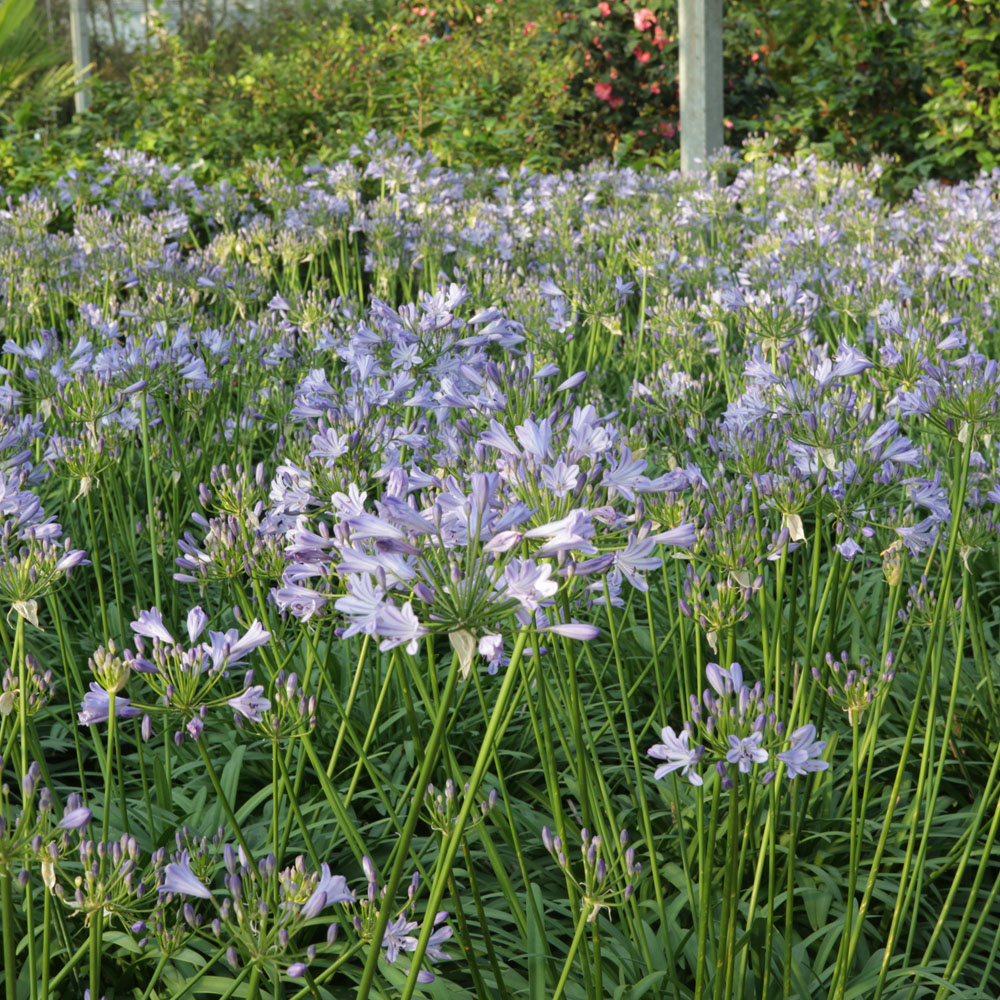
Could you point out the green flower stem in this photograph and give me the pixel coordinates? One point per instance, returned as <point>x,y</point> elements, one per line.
<point>484,923</point>
<point>116,581</point>
<point>844,955</point>
<point>68,966</point>
<point>598,965</point>
<point>155,977</point>
<point>640,785</point>
<point>254,987</point>
<point>642,326</point>
<point>464,935</point>
<point>74,683</point>
<point>499,719</point>
<point>109,764</point>
<point>766,852</point>
<point>543,741</point>
<point>789,887</point>
<point>344,823</point>
<point>726,955</point>
<point>412,818</point>
<point>95,553</point>
<point>914,887</point>
<point>22,722</point>
<point>936,645</point>
<point>22,699</point>
<point>706,853</point>
<point>46,941</point>
<point>95,953</point>
<point>7,907</point>
<point>276,796</point>
<point>226,807</point>
<point>957,879</point>
<point>328,973</point>
<point>349,705</point>
<point>581,926</point>
<point>576,717</point>
<point>293,799</point>
<point>986,911</point>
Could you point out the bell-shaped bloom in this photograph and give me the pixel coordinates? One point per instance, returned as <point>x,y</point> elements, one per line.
<point>675,751</point>
<point>399,625</point>
<point>330,889</point>
<point>150,624</point>
<point>747,751</point>
<point>97,706</point>
<point>802,756</point>
<point>251,703</point>
<point>178,878</point>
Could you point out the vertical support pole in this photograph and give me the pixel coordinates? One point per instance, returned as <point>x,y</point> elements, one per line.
<point>80,40</point>
<point>700,31</point>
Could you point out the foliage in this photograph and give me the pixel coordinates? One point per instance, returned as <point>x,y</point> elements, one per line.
<point>961,111</point>
<point>32,75</point>
<point>493,95</point>
<point>446,523</point>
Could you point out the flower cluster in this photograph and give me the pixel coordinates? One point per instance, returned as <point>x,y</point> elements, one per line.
<point>602,887</point>
<point>735,726</point>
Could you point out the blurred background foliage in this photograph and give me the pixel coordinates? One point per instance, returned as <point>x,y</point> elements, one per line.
<point>511,82</point>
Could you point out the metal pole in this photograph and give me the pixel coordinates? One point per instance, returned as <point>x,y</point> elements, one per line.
<point>80,39</point>
<point>700,32</point>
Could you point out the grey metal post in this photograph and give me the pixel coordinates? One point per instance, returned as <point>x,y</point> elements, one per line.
<point>80,40</point>
<point>700,32</point>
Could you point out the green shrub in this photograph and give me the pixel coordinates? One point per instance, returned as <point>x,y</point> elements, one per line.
<point>492,94</point>
<point>961,112</point>
<point>495,82</point>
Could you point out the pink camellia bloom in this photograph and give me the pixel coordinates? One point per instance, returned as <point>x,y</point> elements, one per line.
<point>616,102</point>
<point>642,55</point>
<point>644,18</point>
<point>602,91</point>
<point>604,8</point>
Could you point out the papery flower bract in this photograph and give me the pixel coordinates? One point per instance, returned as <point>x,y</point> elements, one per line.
<point>674,750</point>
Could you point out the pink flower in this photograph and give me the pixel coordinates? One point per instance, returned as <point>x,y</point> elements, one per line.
<point>642,55</point>
<point>529,27</point>
<point>604,8</point>
<point>602,91</point>
<point>644,18</point>
<point>616,102</point>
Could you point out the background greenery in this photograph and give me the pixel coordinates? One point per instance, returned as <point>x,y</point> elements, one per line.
<point>515,82</point>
